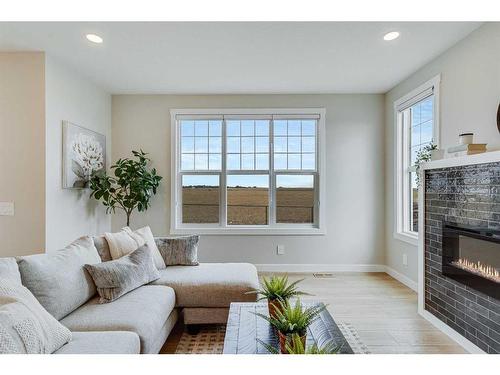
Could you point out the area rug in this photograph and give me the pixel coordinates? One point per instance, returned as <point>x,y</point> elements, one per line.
<point>210,340</point>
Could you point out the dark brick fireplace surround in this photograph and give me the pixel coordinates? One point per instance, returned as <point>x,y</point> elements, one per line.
<point>468,195</point>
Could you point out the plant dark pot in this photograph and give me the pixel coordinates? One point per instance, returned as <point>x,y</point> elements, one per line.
<point>273,306</point>
<point>286,338</point>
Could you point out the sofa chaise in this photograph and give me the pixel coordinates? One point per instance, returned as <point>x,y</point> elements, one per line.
<point>141,320</point>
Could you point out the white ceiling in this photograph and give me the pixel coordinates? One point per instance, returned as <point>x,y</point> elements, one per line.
<point>256,57</point>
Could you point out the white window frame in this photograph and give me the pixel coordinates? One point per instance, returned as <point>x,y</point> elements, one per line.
<point>402,210</point>
<point>319,228</point>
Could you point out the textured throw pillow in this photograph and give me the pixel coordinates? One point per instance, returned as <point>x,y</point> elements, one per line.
<point>102,247</point>
<point>181,251</point>
<point>118,277</point>
<point>9,269</point>
<point>126,241</point>
<point>58,279</point>
<point>25,326</point>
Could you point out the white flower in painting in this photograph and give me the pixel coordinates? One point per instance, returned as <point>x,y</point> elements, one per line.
<point>87,154</point>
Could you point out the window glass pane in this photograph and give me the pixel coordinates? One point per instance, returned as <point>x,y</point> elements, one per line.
<point>187,144</point>
<point>308,144</point>
<point>262,144</point>
<point>262,161</point>
<point>308,161</point>
<point>280,144</point>
<point>415,114</point>
<point>200,199</point>
<point>295,199</point>
<point>187,128</point>
<point>233,128</point>
<point>247,128</point>
<point>201,128</point>
<point>309,127</point>
<point>280,127</point>
<point>233,144</point>
<point>280,161</point>
<point>262,127</point>
<point>426,132</point>
<point>233,161</point>
<point>200,144</point>
<point>247,145</point>
<point>426,109</point>
<point>247,161</point>
<point>294,161</point>
<point>293,144</point>
<point>247,199</point>
<point>293,127</point>
<point>215,162</point>
<point>215,144</point>
<point>415,135</point>
<point>414,151</point>
<point>413,203</point>
<point>215,128</point>
<point>187,162</point>
<point>201,161</point>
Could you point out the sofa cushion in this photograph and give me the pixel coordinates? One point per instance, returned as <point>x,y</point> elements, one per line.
<point>9,269</point>
<point>125,241</point>
<point>58,279</point>
<point>118,277</point>
<point>179,251</point>
<point>117,342</point>
<point>143,311</point>
<point>25,326</point>
<point>211,284</point>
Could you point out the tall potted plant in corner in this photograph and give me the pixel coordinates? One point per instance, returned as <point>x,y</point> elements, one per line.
<point>277,289</point>
<point>131,187</point>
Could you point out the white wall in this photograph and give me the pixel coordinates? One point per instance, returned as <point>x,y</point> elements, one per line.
<point>69,213</point>
<point>355,170</point>
<point>22,149</point>
<point>470,94</point>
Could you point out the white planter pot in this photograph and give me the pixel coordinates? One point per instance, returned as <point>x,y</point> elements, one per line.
<point>437,154</point>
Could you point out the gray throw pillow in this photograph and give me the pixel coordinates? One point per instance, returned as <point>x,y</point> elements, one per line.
<point>58,280</point>
<point>9,269</point>
<point>181,251</point>
<point>120,276</point>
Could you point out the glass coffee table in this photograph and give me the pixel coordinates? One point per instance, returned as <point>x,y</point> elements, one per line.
<point>245,329</point>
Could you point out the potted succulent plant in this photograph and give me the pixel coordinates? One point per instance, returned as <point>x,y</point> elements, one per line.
<point>297,347</point>
<point>292,320</point>
<point>276,289</point>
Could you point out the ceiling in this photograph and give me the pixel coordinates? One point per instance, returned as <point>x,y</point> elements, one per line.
<point>235,57</point>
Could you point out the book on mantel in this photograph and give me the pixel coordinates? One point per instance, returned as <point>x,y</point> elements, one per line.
<point>470,149</point>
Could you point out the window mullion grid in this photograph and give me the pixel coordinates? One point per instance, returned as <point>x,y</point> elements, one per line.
<point>223,178</point>
<point>272,176</point>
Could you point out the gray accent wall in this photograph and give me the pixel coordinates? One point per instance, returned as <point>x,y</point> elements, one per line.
<point>354,178</point>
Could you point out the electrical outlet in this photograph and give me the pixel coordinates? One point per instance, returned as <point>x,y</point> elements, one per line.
<point>280,249</point>
<point>6,208</point>
<point>405,260</point>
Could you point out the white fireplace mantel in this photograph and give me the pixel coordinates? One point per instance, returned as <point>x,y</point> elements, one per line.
<point>487,157</point>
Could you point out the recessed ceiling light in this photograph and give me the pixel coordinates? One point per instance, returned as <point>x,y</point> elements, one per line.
<point>94,38</point>
<point>392,35</point>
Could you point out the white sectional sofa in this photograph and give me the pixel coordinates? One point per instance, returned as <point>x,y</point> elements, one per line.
<point>141,320</point>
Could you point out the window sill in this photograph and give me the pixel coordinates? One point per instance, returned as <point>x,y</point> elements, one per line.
<point>411,238</point>
<point>250,231</point>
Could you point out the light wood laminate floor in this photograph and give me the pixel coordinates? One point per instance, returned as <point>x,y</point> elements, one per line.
<point>383,311</point>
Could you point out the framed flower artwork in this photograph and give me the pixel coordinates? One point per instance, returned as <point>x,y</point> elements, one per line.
<point>84,153</point>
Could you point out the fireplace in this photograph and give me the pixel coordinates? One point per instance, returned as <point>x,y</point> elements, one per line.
<point>471,256</point>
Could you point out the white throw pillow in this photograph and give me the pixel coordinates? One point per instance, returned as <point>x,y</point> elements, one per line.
<point>126,241</point>
<point>25,326</point>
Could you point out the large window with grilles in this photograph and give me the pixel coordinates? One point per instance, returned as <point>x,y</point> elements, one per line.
<point>247,171</point>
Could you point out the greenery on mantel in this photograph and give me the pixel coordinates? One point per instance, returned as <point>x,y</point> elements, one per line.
<point>131,187</point>
<point>424,155</point>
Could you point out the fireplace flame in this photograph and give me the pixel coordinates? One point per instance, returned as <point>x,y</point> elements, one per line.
<point>484,270</point>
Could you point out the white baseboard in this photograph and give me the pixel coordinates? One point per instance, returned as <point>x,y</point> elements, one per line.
<point>451,333</point>
<point>298,268</point>
<point>402,278</point>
